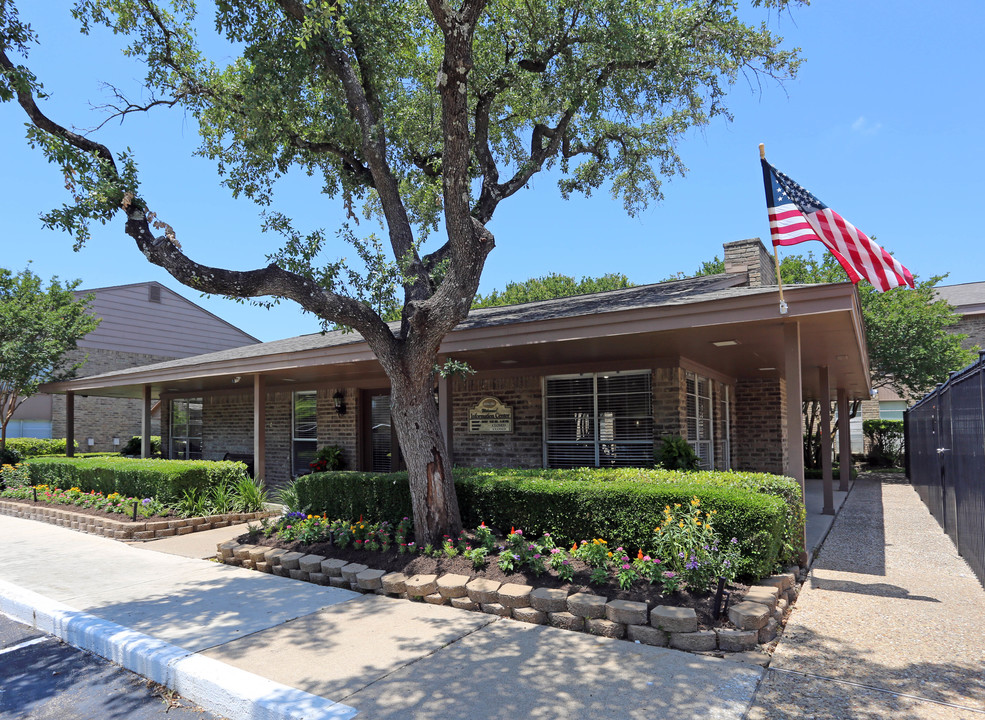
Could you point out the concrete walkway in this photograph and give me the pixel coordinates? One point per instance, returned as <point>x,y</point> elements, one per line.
<point>890,624</point>
<point>251,645</point>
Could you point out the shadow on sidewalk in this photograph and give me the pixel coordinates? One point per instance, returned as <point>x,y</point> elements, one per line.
<point>786,694</point>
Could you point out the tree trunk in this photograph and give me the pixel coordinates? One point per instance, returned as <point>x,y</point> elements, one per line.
<point>415,416</point>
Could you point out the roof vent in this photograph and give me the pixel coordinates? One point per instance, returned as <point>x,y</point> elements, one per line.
<point>154,293</point>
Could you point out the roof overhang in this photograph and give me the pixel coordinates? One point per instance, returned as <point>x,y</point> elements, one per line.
<point>831,330</point>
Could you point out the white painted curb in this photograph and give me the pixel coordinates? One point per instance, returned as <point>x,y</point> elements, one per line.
<point>216,686</point>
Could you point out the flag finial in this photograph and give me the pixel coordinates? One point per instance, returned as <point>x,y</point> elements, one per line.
<point>762,151</point>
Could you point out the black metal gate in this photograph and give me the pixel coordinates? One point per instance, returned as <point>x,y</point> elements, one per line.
<point>945,448</point>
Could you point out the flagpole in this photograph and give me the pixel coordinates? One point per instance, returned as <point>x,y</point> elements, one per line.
<point>776,258</point>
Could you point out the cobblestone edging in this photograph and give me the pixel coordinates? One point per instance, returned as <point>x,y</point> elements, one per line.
<point>756,621</point>
<point>118,530</point>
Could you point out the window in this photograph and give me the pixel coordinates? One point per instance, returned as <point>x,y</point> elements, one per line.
<point>304,434</point>
<point>186,429</point>
<point>891,409</point>
<point>598,420</point>
<point>699,419</point>
<point>29,429</point>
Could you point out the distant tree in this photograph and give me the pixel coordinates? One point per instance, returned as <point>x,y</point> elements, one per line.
<point>549,287</point>
<point>39,326</point>
<point>910,346</point>
<point>708,267</point>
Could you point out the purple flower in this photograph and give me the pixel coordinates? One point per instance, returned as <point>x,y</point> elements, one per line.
<point>670,574</point>
<point>531,547</point>
<point>555,551</point>
<point>515,556</point>
<point>145,501</point>
<point>627,566</point>
<point>734,541</point>
<point>519,532</point>
<point>680,555</point>
<point>565,562</point>
<point>693,564</point>
<point>536,556</point>
<point>646,558</point>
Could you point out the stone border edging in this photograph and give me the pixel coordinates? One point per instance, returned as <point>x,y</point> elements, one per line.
<point>756,621</point>
<point>222,688</point>
<point>120,530</point>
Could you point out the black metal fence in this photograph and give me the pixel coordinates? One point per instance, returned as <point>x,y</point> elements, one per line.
<point>945,459</point>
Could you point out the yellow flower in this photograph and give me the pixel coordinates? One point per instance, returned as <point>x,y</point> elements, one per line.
<point>656,529</point>
<point>610,554</point>
<point>677,504</point>
<point>695,502</point>
<point>698,523</point>
<point>681,523</point>
<point>309,517</point>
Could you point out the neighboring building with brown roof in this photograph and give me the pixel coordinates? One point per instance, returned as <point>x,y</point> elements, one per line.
<point>591,380</point>
<point>141,324</point>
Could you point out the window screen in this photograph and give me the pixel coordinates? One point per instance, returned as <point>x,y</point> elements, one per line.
<point>598,420</point>
<point>304,434</point>
<point>186,429</point>
<point>699,419</point>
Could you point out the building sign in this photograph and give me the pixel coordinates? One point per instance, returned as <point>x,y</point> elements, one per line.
<point>490,416</point>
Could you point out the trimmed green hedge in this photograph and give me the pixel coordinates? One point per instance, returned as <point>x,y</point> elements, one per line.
<point>34,447</point>
<point>762,511</point>
<point>164,480</point>
<point>816,473</point>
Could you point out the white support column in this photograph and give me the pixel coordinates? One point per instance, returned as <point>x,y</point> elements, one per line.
<point>259,427</point>
<point>844,442</point>
<point>826,475</point>
<point>145,421</point>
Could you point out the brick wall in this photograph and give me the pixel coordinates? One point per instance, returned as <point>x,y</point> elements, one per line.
<point>523,448</point>
<point>669,409</point>
<point>227,426</point>
<point>759,436</point>
<point>974,327</point>
<point>341,430</point>
<point>102,419</point>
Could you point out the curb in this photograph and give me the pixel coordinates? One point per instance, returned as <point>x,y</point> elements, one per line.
<point>221,688</point>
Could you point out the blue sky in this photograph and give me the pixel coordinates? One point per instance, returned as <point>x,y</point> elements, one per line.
<point>883,124</point>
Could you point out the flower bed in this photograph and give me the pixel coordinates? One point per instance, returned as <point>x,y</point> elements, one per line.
<point>679,620</point>
<point>120,529</point>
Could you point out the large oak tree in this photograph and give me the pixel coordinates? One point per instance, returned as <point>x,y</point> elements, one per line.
<point>430,114</point>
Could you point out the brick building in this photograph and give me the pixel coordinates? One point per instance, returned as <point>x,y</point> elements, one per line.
<point>140,324</point>
<point>591,380</point>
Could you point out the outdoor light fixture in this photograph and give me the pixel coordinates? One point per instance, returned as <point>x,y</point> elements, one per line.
<point>725,343</point>
<point>339,399</point>
<point>237,379</point>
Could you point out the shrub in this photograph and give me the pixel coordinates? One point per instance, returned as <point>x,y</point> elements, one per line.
<point>9,456</point>
<point>329,458</point>
<point>885,442</point>
<point>34,447</point>
<point>134,445</point>
<point>676,453</point>
<point>164,480</point>
<point>762,511</point>
<point>816,473</point>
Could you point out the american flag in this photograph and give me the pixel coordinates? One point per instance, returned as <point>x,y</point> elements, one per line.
<point>797,216</point>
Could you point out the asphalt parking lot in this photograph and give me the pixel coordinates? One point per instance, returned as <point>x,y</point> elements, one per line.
<point>42,677</point>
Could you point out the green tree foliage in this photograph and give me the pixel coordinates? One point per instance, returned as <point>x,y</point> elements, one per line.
<point>909,342</point>
<point>39,326</point>
<point>425,113</point>
<point>549,287</point>
<point>911,348</point>
<point>715,266</point>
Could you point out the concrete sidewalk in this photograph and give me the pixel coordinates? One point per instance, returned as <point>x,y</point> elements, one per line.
<point>891,622</point>
<point>252,645</point>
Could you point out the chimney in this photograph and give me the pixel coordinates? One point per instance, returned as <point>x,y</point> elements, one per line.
<point>751,257</point>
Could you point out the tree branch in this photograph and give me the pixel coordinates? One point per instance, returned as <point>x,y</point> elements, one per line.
<point>162,251</point>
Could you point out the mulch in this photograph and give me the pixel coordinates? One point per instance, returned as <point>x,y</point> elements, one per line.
<point>393,561</point>
<point>119,517</point>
